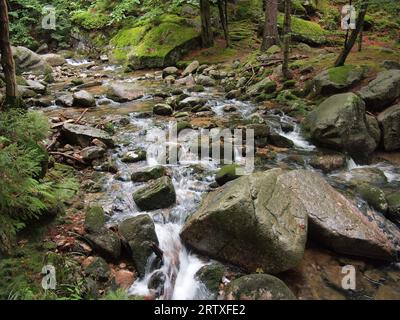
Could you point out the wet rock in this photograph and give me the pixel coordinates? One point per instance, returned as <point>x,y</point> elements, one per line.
<point>25,92</point>
<point>108,165</point>
<point>98,269</point>
<point>182,125</point>
<point>91,153</point>
<point>336,80</point>
<point>369,175</point>
<point>94,219</point>
<point>264,86</point>
<point>156,283</point>
<point>83,135</point>
<point>169,79</point>
<point>230,108</point>
<point>382,91</point>
<point>251,222</point>
<point>105,242</point>
<point>124,92</point>
<point>227,173</point>
<point>192,102</point>
<point>174,100</point>
<point>29,61</point>
<point>374,196</point>
<point>170,71</point>
<point>162,109</point>
<point>280,141</point>
<point>205,81</point>
<point>211,276</point>
<point>140,234</point>
<point>218,75</point>
<point>196,88</point>
<point>42,102</point>
<point>36,86</point>
<point>258,287</point>
<point>149,174</point>
<point>234,94</point>
<point>191,68</point>
<point>157,194</point>
<point>328,162</point>
<point>389,121</point>
<point>134,156</point>
<point>393,200</point>
<point>124,279</point>
<point>83,99</point>
<point>339,122</point>
<point>391,64</point>
<point>65,100</point>
<point>55,60</point>
<point>374,129</point>
<point>337,223</point>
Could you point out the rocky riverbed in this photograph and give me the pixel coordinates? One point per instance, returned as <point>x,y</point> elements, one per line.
<point>318,198</point>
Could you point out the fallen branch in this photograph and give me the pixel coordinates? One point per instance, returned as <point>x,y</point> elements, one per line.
<point>156,249</point>
<point>81,116</point>
<point>67,156</point>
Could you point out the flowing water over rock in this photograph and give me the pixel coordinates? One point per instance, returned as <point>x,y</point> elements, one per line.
<point>191,176</point>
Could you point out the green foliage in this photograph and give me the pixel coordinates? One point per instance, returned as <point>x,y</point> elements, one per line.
<point>90,20</point>
<point>119,294</point>
<point>23,195</point>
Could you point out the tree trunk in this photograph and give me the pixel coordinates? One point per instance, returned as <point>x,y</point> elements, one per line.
<point>270,33</point>
<point>7,60</point>
<point>349,44</point>
<point>360,40</point>
<point>287,29</point>
<point>207,37</point>
<point>223,16</point>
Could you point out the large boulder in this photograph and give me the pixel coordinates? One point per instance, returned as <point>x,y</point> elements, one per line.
<point>337,223</point>
<point>29,61</point>
<point>252,222</point>
<point>148,174</point>
<point>382,91</point>
<point>264,86</point>
<point>53,59</point>
<point>83,99</point>
<point>191,68</point>
<point>389,121</point>
<point>340,122</point>
<point>157,194</point>
<point>124,91</point>
<point>258,287</point>
<point>140,234</point>
<point>84,135</point>
<point>335,80</point>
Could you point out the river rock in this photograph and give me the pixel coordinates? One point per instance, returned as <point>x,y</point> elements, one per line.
<point>205,81</point>
<point>339,79</point>
<point>98,269</point>
<point>382,91</point>
<point>211,276</point>
<point>192,102</point>
<point>124,92</point>
<point>389,121</point>
<point>280,141</point>
<point>374,129</point>
<point>92,153</point>
<point>156,283</point>
<point>162,109</point>
<point>373,176</point>
<point>55,60</point>
<point>29,61</point>
<point>227,173</point>
<point>170,71</point>
<point>337,223</point>
<point>264,86</point>
<point>391,64</point>
<point>374,196</point>
<point>83,135</point>
<point>36,86</point>
<point>140,234</point>
<point>65,100</point>
<point>258,287</point>
<point>328,162</point>
<point>339,122</point>
<point>134,156</point>
<point>106,243</point>
<point>94,219</point>
<point>191,68</point>
<point>393,200</point>
<point>157,194</point>
<point>250,222</point>
<point>149,174</point>
<point>124,279</point>
<point>83,99</point>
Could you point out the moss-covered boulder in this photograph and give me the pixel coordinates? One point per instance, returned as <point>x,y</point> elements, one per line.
<point>98,269</point>
<point>154,45</point>
<point>306,31</point>
<point>149,174</point>
<point>340,122</point>
<point>258,287</point>
<point>389,121</point>
<point>393,200</point>
<point>374,196</point>
<point>94,219</point>
<point>29,61</point>
<point>140,234</point>
<point>211,276</point>
<point>335,80</point>
<point>156,194</point>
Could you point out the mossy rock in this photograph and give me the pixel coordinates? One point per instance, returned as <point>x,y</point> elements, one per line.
<point>258,287</point>
<point>374,196</point>
<point>153,45</point>
<point>211,276</point>
<point>306,31</point>
<point>227,173</point>
<point>149,174</point>
<point>90,20</point>
<point>94,219</point>
<point>394,205</point>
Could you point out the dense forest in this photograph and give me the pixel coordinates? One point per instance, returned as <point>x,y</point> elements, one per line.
<point>200,149</point>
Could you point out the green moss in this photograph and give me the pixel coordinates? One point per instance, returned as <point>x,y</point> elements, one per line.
<point>94,219</point>
<point>340,74</point>
<point>90,20</point>
<point>125,39</point>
